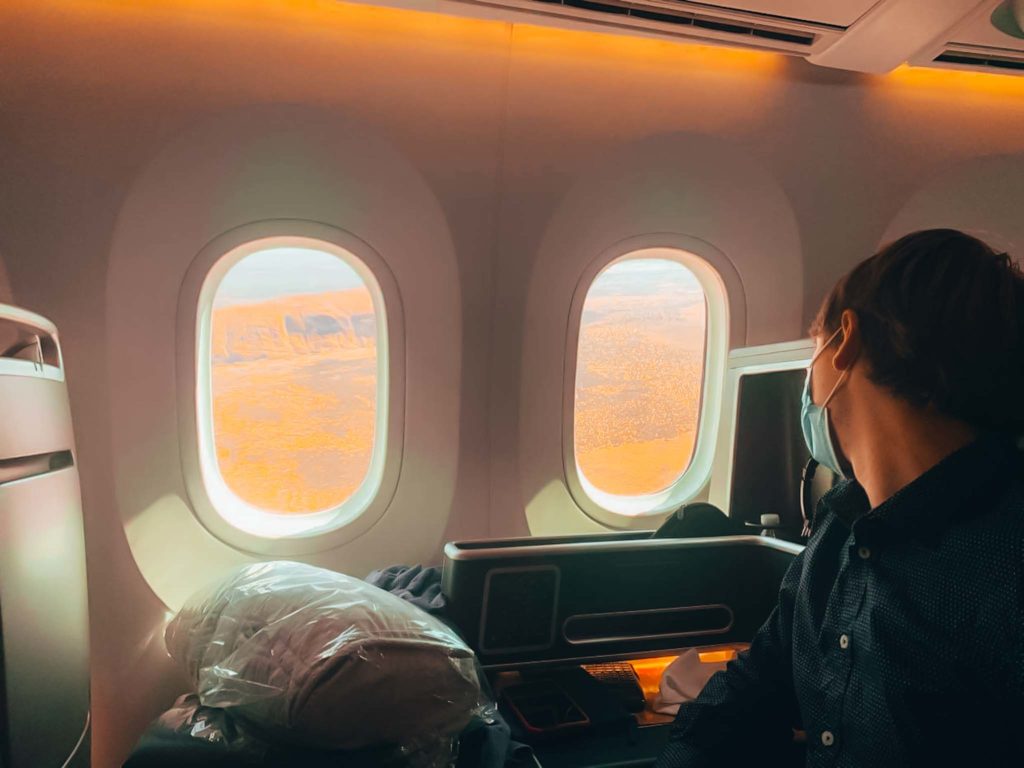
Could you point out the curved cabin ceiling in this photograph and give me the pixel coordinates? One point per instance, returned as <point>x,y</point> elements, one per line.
<point>871,36</point>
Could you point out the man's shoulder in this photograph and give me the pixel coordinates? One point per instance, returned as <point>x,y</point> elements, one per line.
<point>1007,516</point>
<point>993,534</point>
<point>1006,512</point>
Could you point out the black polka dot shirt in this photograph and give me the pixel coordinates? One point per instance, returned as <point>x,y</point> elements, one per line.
<point>898,638</point>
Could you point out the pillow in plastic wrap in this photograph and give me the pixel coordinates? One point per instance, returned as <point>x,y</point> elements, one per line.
<point>323,659</point>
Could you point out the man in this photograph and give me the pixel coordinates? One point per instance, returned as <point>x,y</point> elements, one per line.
<point>898,638</point>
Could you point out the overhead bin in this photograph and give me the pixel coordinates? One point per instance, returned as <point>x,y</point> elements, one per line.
<point>44,630</point>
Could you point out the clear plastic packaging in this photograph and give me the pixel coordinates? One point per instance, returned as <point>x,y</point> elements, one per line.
<point>320,659</point>
<point>190,732</point>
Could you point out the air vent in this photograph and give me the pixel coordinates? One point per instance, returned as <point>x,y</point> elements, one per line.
<point>983,61</point>
<point>661,15</point>
<point>669,19</point>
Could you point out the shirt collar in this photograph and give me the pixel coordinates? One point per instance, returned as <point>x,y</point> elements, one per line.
<point>960,486</point>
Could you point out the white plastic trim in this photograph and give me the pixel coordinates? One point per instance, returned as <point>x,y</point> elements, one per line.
<point>617,511</point>
<point>893,32</point>
<point>224,514</point>
<point>571,18</point>
<point>43,327</point>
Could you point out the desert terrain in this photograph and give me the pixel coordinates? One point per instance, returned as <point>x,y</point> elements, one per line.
<point>295,388</point>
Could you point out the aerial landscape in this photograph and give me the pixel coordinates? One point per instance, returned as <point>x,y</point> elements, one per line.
<point>295,398</point>
<point>294,382</point>
<point>638,376</point>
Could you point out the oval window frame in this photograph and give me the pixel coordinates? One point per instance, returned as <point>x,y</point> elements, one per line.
<point>217,508</point>
<point>638,512</point>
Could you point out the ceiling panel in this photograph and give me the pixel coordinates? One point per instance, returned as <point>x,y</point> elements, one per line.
<point>982,31</point>
<point>840,13</point>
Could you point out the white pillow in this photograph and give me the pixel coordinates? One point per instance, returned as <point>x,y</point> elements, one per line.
<point>323,659</point>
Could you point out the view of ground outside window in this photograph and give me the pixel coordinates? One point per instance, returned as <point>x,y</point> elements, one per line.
<point>294,380</point>
<point>639,371</point>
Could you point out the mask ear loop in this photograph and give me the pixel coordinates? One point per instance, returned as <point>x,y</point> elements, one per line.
<point>842,377</point>
<point>824,346</point>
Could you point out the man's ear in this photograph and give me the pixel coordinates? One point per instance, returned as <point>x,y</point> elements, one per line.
<point>850,345</point>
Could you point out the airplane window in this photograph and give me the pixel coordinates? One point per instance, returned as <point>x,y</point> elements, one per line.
<point>639,375</point>
<point>295,380</point>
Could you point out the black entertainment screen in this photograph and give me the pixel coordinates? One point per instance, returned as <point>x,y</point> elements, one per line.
<point>769,451</point>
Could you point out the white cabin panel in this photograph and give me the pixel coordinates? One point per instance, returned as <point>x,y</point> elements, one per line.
<point>6,292</point>
<point>325,174</point>
<point>599,220</point>
<point>980,196</point>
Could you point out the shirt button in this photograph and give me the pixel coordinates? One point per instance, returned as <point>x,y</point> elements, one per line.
<point>864,553</point>
<point>827,738</point>
<point>844,641</point>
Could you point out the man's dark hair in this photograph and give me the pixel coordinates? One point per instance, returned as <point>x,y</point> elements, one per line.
<point>942,320</point>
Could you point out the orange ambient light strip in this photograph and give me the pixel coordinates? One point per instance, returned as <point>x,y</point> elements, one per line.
<point>717,657</point>
<point>940,78</point>
<point>289,17</point>
<point>650,671</point>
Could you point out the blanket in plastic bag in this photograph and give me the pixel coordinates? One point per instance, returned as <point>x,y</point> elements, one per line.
<point>321,659</point>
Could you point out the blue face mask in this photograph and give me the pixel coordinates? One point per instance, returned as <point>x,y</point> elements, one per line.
<point>814,419</point>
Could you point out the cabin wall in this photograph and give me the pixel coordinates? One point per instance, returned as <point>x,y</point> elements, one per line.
<point>132,134</point>
<point>6,294</point>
